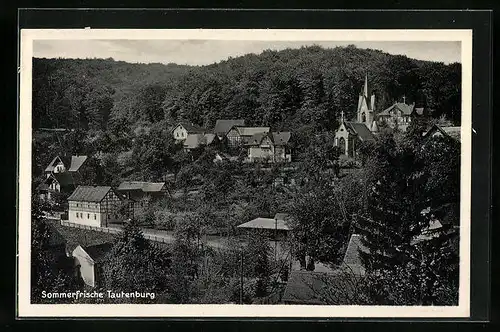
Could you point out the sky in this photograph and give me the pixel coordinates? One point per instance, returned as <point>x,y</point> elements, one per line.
<point>203,52</point>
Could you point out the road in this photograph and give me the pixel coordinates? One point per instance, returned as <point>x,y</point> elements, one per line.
<point>212,241</point>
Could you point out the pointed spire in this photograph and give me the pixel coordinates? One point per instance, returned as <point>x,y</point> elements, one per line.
<point>365,91</point>
<point>341,116</point>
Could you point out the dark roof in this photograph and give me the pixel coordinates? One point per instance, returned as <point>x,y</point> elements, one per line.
<point>361,130</point>
<point>305,287</point>
<point>64,179</point>
<point>257,138</point>
<point>89,193</point>
<point>277,138</point>
<point>98,251</point>
<point>404,108</point>
<point>76,163</point>
<point>141,185</point>
<point>223,126</point>
<point>191,128</point>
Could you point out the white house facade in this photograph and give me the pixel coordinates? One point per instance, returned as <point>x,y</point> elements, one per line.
<point>94,206</point>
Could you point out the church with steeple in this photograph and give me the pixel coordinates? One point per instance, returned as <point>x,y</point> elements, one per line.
<point>366,108</point>
<point>367,122</point>
<point>352,133</point>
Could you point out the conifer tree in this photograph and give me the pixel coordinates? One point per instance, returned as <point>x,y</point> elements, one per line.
<point>402,267</point>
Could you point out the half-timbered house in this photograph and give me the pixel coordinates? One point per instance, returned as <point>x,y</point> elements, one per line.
<point>239,135</point>
<point>269,147</point>
<point>96,206</point>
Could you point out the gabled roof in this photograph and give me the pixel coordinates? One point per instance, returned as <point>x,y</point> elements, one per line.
<point>361,130</point>
<point>141,185</point>
<point>64,179</point>
<point>191,128</point>
<point>209,138</point>
<point>453,132</point>
<point>404,108</point>
<point>53,164</point>
<point>265,223</point>
<point>223,126</point>
<point>193,141</point>
<point>250,131</point>
<point>89,193</point>
<point>76,163</point>
<point>277,138</point>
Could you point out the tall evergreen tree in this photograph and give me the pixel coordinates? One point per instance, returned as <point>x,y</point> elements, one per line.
<point>402,267</point>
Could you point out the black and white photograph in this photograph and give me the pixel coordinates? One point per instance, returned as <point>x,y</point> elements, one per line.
<point>247,173</point>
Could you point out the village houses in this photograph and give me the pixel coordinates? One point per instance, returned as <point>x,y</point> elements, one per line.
<point>62,175</point>
<point>369,123</point>
<point>182,130</point>
<point>139,194</point>
<point>96,206</point>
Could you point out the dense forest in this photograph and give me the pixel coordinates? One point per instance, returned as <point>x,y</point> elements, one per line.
<point>284,89</point>
<point>108,103</point>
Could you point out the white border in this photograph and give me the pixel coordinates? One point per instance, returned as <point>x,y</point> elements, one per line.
<point>26,309</point>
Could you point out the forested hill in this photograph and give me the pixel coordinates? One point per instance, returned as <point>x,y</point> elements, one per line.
<point>284,89</point>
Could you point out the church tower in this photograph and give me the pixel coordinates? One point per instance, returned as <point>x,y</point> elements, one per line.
<point>366,106</point>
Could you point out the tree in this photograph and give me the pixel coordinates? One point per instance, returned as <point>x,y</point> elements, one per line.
<point>135,264</point>
<point>320,227</point>
<point>258,254</point>
<point>50,271</point>
<point>402,202</point>
<point>186,256</point>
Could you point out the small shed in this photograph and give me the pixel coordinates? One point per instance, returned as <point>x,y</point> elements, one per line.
<point>276,228</point>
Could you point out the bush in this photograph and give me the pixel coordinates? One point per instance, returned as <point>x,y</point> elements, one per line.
<point>164,220</point>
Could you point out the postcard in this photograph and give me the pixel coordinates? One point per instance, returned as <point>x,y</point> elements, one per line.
<point>244,173</point>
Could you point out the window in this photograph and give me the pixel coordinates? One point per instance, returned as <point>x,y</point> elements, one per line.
<point>77,214</point>
<point>76,204</point>
<point>88,215</point>
<point>95,217</point>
